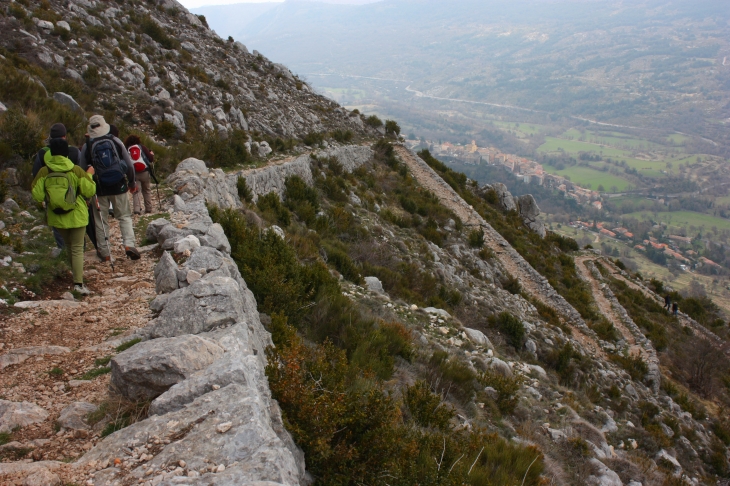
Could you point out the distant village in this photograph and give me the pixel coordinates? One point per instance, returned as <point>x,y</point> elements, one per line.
<point>529,171</point>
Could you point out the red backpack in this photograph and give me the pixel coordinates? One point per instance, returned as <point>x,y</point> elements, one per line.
<point>139,159</point>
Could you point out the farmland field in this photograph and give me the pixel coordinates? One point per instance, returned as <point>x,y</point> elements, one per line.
<point>585,176</point>
<point>685,219</point>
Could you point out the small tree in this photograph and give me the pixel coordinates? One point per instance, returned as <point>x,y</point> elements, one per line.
<point>391,128</point>
<point>244,192</point>
<point>374,121</point>
<point>476,238</point>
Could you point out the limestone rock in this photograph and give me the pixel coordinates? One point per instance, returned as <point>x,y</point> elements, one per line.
<point>216,238</point>
<point>530,212</point>
<point>478,338</point>
<point>602,475</point>
<point>251,450</point>
<point>42,477</point>
<point>500,366</point>
<point>18,355</point>
<point>19,414</point>
<point>74,415</point>
<point>374,284</point>
<point>506,201</point>
<point>166,274</point>
<point>207,304</point>
<point>154,228</point>
<point>230,369</point>
<point>68,100</point>
<point>188,243</point>
<point>148,369</point>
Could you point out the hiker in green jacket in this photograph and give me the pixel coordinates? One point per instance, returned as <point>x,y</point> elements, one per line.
<point>65,187</point>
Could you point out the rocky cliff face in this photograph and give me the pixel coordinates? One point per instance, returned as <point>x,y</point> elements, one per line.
<point>149,62</point>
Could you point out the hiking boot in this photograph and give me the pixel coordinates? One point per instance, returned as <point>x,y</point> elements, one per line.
<point>138,213</point>
<point>132,252</point>
<point>103,258</point>
<point>82,289</point>
<point>111,213</point>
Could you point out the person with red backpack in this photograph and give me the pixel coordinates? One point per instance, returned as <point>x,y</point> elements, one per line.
<point>142,159</point>
<point>106,158</point>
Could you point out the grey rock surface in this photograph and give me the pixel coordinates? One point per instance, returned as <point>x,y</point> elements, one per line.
<point>68,100</point>
<point>166,274</point>
<point>530,212</point>
<point>504,197</point>
<point>374,284</point>
<point>209,303</point>
<point>250,450</point>
<point>478,338</point>
<point>19,414</point>
<point>74,416</point>
<point>148,369</point>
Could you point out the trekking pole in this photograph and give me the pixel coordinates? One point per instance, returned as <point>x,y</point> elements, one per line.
<point>103,228</point>
<point>157,186</point>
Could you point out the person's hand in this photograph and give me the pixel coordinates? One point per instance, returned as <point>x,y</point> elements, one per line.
<point>132,190</point>
<point>90,170</point>
<point>151,152</point>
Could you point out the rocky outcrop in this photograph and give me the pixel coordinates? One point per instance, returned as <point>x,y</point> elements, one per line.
<point>212,415</point>
<point>192,179</point>
<point>529,212</point>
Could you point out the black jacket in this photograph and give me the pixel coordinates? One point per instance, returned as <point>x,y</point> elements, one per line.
<point>38,163</point>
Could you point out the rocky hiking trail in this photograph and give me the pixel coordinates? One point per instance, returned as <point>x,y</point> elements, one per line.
<point>531,281</point>
<point>54,366</point>
<point>684,319</point>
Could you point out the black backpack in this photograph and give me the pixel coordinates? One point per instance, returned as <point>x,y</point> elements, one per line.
<point>108,165</point>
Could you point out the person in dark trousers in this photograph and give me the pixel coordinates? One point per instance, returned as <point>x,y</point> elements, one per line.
<point>675,308</point>
<point>667,302</point>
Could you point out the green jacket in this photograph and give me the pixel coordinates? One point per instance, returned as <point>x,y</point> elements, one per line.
<point>86,188</point>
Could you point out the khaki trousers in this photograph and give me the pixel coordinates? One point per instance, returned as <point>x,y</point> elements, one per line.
<point>122,213</point>
<point>145,192</point>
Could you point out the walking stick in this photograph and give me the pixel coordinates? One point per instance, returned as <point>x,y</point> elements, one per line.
<point>103,228</point>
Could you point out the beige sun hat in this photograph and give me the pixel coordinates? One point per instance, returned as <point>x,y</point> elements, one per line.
<point>98,127</point>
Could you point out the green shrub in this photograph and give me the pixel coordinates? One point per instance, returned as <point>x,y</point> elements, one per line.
<point>313,139</point>
<point>342,136</point>
<point>511,285</point>
<point>244,192</point>
<point>225,152</point>
<point>165,129</point>
<point>91,76</point>
<point>507,388</point>
<point>271,206</point>
<point>426,407</point>
<point>21,132</point>
<point>563,360</point>
<point>97,33</point>
<point>604,329</point>
<point>154,30</point>
<point>634,365</point>
<point>374,121</point>
<point>511,327</point>
<point>342,262</point>
<point>203,20</point>
<point>391,128</point>
<point>476,238</point>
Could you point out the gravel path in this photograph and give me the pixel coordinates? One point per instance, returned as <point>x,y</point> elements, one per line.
<point>89,329</point>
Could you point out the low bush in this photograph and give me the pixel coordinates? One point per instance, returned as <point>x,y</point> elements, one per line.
<point>426,408</point>
<point>273,210</point>
<point>634,365</point>
<point>476,238</point>
<point>507,388</point>
<point>374,121</point>
<point>244,192</point>
<point>511,327</point>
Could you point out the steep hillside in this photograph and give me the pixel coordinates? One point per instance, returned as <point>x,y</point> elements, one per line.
<point>149,66</point>
<point>343,311</point>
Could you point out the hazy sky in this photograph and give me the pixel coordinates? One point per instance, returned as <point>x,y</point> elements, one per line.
<point>201,3</point>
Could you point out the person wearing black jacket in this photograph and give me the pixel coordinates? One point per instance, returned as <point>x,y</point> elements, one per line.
<point>58,131</point>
